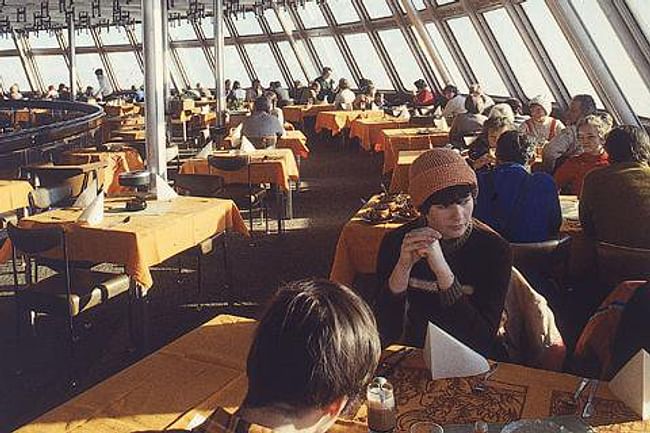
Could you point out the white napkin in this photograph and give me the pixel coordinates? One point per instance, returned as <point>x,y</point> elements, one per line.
<point>87,195</point>
<point>205,152</point>
<point>93,214</point>
<point>246,145</point>
<point>632,384</point>
<point>164,192</point>
<point>403,113</point>
<point>447,357</point>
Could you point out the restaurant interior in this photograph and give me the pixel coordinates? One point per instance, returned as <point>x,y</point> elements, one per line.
<point>473,173</point>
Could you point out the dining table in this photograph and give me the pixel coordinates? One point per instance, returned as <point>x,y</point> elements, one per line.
<point>400,178</point>
<point>337,120</point>
<point>393,141</point>
<point>181,384</point>
<point>369,131</point>
<point>14,194</point>
<point>297,113</point>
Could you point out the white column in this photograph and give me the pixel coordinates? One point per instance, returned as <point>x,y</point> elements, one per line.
<point>72,48</point>
<point>152,29</point>
<point>219,61</point>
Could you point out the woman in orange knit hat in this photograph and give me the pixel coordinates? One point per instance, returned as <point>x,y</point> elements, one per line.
<point>445,267</point>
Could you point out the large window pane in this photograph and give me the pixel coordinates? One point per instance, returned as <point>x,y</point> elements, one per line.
<point>11,71</point>
<point>83,38</point>
<point>401,56</point>
<point>311,69</point>
<point>127,71</point>
<point>285,17</point>
<point>114,36</point>
<point>444,2</point>
<point>641,11</point>
<point>43,40</point>
<point>272,19</point>
<point>207,24</point>
<point>331,56</point>
<point>517,54</point>
<point>292,62</point>
<point>377,8</point>
<point>419,4</point>
<point>311,16</point>
<point>447,59</point>
<point>368,60</point>
<point>234,68</point>
<point>475,53</point>
<point>247,25</point>
<point>619,62</point>
<point>343,11</point>
<point>266,68</point>
<point>181,30</point>
<point>558,49</point>
<point>86,65</point>
<point>53,70</point>
<point>197,67</point>
<point>6,43</point>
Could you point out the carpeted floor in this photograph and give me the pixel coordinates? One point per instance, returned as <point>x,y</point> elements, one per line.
<point>33,375</point>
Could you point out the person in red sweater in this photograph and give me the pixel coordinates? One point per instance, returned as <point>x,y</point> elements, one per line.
<point>592,131</point>
<point>423,95</point>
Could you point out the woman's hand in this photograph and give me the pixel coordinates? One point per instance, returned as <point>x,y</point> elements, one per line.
<point>484,160</point>
<point>416,245</point>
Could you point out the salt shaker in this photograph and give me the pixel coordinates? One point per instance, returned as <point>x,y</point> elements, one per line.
<point>381,406</point>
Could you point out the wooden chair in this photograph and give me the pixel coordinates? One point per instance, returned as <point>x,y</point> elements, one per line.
<point>67,293</point>
<point>618,263</point>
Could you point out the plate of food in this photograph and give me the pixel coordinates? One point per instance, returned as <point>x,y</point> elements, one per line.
<point>534,426</point>
<point>378,214</point>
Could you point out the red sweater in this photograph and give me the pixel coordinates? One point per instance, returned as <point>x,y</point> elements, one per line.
<point>570,175</point>
<point>423,97</point>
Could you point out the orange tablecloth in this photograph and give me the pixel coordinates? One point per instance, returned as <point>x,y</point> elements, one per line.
<point>126,159</point>
<point>395,140</point>
<point>14,195</point>
<point>400,180</point>
<point>297,113</point>
<point>205,368</point>
<point>130,134</point>
<point>292,139</point>
<point>275,166</point>
<point>336,121</point>
<point>369,131</point>
<point>151,236</point>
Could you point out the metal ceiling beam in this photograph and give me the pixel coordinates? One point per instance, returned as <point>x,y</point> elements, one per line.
<point>305,37</point>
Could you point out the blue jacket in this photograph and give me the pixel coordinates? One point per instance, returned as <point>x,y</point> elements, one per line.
<point>522,207</point>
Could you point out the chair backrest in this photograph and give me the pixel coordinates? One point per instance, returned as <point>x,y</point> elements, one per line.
<point>543,258</point>
<point>618,263</point>
<point>200,185</point>
<point>35,241</point>
<point>229,162</point>
<point>43,198</point>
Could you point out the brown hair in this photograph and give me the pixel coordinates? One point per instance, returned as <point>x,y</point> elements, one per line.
<point>316,343</point>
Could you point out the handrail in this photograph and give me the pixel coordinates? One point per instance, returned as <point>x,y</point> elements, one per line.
<point>90,119</point>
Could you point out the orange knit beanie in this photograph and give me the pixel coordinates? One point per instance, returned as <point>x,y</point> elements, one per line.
<point>436,170</point>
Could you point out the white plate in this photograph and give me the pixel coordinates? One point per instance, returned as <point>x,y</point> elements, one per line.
<point>534,426</point>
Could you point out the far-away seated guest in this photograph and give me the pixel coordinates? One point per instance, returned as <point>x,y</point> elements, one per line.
<point>633,332</point>
<point>315,348</point>
<point>345,96</point>
<point>541,127</point>
<point>518,110</point>
<point>275,110</point>
<point>255,91</point>
<point>282,94</point>
<point>468,123</point>
<point>565,144</point>
<point>261,124</point>
<point>453,103</point>
<point>521,206</point>
<point>477,90</point>
<point>326,83</point>
<point>615,200</point>
<point>366,99</point>
<point>445,268</point>
<point>592,131</point>
<point>236,96</point>
<point>423,95</point>
<point>309,95</point>
<point>482,151</point>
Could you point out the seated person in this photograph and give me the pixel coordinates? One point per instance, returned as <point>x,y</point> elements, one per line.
<point>615,200</point>
<point>453,103</point>
<point>502,110</point>
<point>309,94</point>
<point>565,144</point>
<point>633,333</point>
<point>255,91</point>
<point>315,348</point>
<point>518,110</point>
<point>521,206</point>
<point>262,127</point>
<point>541,127</point>
<point>365,100</point>
<point>380,101</point>
<point>592,131</point>
<point>345,96</point>
<point>482,151</point>
<point>236,96</point>
<point>468,123</point>
<point>14,92</point>
<point>423,95</point>
<point>476,90</point>
<point>326,85</point>
<point>275,110</point>
<point>296,90</point>
<point>204,91</point>
<point>448,268</point>
<point>51,92</point>
<point>282,94</point>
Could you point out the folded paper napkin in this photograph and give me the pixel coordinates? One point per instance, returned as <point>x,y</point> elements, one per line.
<point>87,195</point>
<point>246,145</point>
<point>164,192</point>
<point>632,384</point>
<point>205,152</point>
<point>93,214</point>
<point>447,357</point>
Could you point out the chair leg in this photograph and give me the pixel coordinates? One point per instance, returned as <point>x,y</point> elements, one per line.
<point>72,365</point>
<point>229,286</point>
<point>199,272</point>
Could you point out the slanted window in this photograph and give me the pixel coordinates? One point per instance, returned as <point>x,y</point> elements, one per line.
<point>196,65</point>
<point>86,66</point>
<point>285,17</point>
<point>558,49</point>
<point>377,9</point>
<point>272,19</point>
<point>517,54</point>
<point>43,40</point>
<point>641,11</point>
<point>311,16</point>
<point>11,71</point>
<point>207,24</point>
<point>181,30</point>
<point>247,25</point>
<point>309,65</point>
<point>444,2</point>
<point>114,36</point>
<point>401,56</point>
<point>266,68</point>
<point>83,38</point>
<point>622,67</point>
<point>447,59</point>
<point>331,56</point>
<point>418,4</point>
<point>126,69</point>
<point>343,11</point>
<point>368,60</point>
<point>477,56</point>
<point>53,69</point>
<point>292,61</point>
<point>234,67</point>
<point>6,42</point>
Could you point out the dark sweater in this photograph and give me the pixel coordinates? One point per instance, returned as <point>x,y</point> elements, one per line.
<point>481,263</point>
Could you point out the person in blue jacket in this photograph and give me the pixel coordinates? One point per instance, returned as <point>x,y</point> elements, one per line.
<point>521,206</point>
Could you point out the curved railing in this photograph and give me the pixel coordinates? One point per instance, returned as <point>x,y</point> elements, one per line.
<point>89,119</point>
